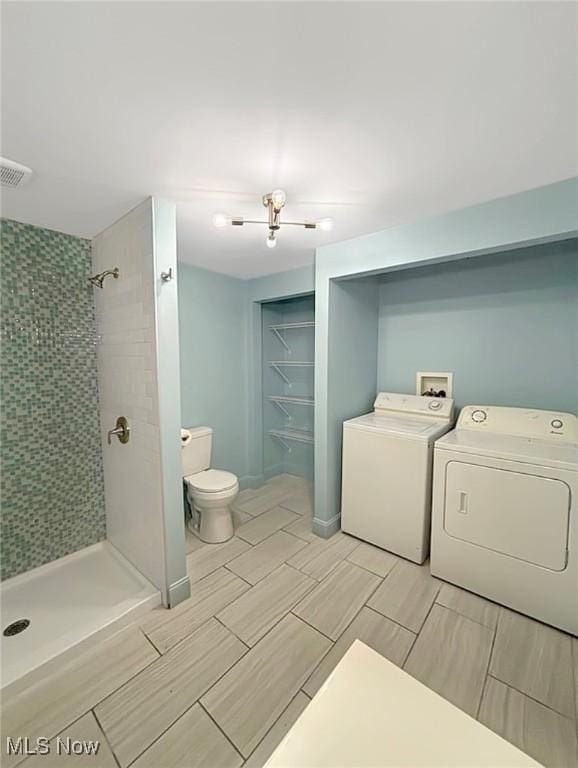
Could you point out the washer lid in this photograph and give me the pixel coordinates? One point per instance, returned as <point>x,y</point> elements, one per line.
<point>524,449</point>
<point>211,480</point>
<point>402,426</point>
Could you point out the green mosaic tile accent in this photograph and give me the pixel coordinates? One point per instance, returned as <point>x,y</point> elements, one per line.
<point>52,492</point>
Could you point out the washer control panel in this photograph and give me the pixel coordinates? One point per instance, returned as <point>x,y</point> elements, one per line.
<point>523,422</point>
<point>439,408</point>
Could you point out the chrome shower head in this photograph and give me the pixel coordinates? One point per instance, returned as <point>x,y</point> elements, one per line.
<point>98,280</point>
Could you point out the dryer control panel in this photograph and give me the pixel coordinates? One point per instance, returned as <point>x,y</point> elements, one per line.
<point>523,422</point>
<point>438,408</point>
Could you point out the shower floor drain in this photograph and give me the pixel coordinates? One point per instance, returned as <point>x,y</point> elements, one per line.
<point>16,627</point>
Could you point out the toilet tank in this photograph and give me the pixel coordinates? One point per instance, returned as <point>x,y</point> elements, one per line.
<point>196,455</point>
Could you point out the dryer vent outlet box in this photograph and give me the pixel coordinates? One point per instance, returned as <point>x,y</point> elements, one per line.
<point>432,383</point>
<point>13,174</point>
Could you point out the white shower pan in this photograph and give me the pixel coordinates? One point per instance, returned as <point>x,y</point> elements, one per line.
<point>74,600</point>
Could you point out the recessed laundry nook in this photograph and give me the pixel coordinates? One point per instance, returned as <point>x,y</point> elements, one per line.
<point>289,377</point>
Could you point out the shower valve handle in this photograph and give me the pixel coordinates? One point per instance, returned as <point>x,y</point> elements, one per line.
<point>122,431</point>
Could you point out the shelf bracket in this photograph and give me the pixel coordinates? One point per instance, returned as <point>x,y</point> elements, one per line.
<point>280,372</point>
<point>284,443</point>
<point>281,339</point>
<point>282,408</point>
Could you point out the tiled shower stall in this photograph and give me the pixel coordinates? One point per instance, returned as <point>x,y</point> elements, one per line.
<point>92,529</point>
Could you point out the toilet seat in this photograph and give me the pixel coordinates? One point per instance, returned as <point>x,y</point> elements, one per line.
<point>211,481</point>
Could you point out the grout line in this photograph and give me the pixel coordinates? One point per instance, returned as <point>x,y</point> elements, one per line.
<point>307,576</point>
<point>117,761</point>
<point>191,704</point>
<point>465,616</point>
<point>300,690</point>
<point>332,568</point>
<point>433,602</point>
<point>196,628</point>
<point>158,650</point>
<point>356,614</point>
<point>487,672</point>
<point>368,570</point>
<point>247,646</point>
<point>418,633</point>
<point>237,575</point>
<point>393,621</point>
<point>311,626</point>
<point>498,621</point>
<point>154,741</point>
<point>574,659</point>
<point>383,578</point>
<point>272,533</point>
<point>164,656</point>
<point>130,679</point>
<point>532,698</point>
<point>479,707</point>
<point>287,612</point>
<point>221,730</point>
<point>223,564</point>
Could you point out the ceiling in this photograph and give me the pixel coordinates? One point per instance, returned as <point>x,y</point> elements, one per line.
<point>372,113</point>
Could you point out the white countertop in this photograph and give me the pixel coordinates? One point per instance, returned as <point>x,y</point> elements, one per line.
<point>369,712</point>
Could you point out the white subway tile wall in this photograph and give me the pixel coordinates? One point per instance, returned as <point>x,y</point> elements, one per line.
<point>128,386</point>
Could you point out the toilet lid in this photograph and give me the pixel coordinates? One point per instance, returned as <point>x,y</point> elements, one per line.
<point>212,480</point>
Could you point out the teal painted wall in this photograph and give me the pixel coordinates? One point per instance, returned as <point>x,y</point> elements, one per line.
<point>282,285</point>
<point>221,339</point>
<point>52,493</point>
<point>506,325</point>
<point>213,342</point>
<point>351,372</point>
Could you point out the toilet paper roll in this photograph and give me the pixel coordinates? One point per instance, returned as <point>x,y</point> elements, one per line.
<point>186,437</point>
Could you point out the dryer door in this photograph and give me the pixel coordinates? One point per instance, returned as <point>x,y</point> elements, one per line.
<point>520,515</point>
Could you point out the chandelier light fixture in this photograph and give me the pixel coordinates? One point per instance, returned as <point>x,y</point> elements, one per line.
<point>274,202</point>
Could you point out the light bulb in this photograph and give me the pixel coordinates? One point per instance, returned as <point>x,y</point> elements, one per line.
<point>220,220</point>
<point>278,197</point>
<point>271,240</point>
<point>325,224</point>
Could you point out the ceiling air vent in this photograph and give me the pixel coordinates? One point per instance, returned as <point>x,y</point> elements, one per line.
<point>13,174</point>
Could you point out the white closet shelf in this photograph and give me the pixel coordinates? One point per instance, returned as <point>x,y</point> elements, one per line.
<point>294,435</point>
<point>278,364</point>
<point>291,362</point>
<point>278,327</point>
<point>282,400</point>
<point>289,326</point>
<point>292,400</point>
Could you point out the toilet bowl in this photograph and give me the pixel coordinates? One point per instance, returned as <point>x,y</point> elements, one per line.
<point>210,492</point>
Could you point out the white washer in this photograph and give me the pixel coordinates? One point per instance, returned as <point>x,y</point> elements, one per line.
<point>505,515</point>
<point>386,477</point>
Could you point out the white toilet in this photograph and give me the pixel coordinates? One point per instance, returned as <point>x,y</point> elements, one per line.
<point>210,492</point>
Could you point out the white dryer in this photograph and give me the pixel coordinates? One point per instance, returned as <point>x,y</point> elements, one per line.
<point>386,475</point>
<point>505,510</point>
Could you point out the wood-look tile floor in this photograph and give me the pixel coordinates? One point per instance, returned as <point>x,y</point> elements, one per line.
<point>219,680</point>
